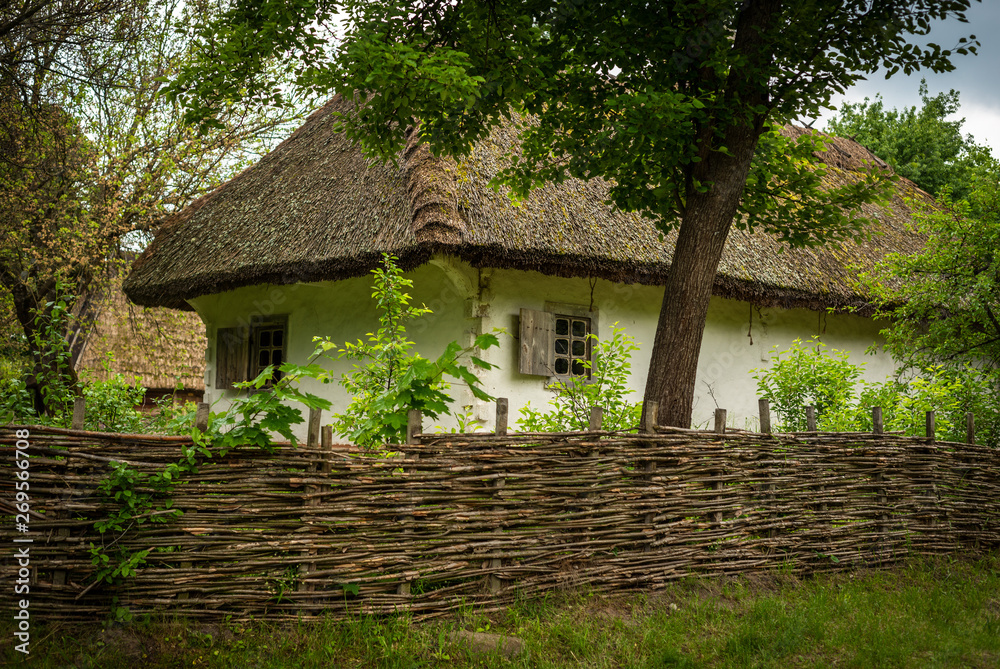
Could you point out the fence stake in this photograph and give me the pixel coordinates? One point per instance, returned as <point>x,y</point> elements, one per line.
<point>312,444</point>
<point>649,417</point>
<point>495,582</point>
<point>877,427</point>
<point>79,411</point>
<point>201,416</point>
<point>596,419</point>
<point>502,408</point>
<point>765,416</point>
<point>720,421</point>
<point>414,426</point>
<point>327,445</point>
<point>810,419</point>
<point>970,428</point>
<point>649,427</point>
<point>930,427</point>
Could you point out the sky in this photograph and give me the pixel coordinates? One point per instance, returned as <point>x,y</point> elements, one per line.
<point>976,77</point>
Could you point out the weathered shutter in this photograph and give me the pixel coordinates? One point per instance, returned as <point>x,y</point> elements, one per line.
<point>538,333</point>
<point>231,357</point>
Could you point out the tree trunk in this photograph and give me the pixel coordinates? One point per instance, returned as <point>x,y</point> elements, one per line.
<point>708,217</point>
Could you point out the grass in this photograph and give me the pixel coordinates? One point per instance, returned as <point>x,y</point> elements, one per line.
<point>927,613</point>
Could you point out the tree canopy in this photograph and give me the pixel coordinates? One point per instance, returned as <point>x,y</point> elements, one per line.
<point>678,104</point>
<point>922,144</point>
<point>91,152</point>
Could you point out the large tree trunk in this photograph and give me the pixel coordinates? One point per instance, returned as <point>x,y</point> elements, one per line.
<point>708,217</point>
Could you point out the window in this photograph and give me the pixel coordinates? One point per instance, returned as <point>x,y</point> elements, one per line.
<point>572,345</point>
<point>243,352</point>
<point>557,342</point>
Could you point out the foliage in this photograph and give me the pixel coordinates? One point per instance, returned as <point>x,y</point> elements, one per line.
<point>607,388</point>
<point>922,145</point>
<point>392,380</point>
<point>809,375</point>
<point>111,404</point>
<point>92,157</point>
<point>675,104</point>
<point>171,417</point>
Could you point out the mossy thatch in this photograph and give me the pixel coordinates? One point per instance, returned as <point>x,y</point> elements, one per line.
<point>160,349</point>
<point>316,209</point>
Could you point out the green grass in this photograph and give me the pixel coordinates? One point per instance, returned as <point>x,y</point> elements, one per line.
<point>928,613</point>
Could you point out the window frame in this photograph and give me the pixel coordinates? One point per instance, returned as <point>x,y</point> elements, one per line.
<point>237,351</point>
<point>537,343</point>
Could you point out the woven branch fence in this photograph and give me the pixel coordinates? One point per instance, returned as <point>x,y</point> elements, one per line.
<point>453,520</point>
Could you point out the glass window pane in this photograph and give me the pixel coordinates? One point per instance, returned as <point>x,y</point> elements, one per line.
<point>562,326</point>
<point>275,358</point>
<point>579,347</point>
<point>562,346</point>
<point>578,368</point>
<point>562,366</point>
<point>264,340</point>
<point>263,359</point>
<point>276,338</point>
<point>579,328</point>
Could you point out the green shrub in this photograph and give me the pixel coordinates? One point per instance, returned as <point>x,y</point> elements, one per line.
<point>808,375</point>
<point>607,388</point>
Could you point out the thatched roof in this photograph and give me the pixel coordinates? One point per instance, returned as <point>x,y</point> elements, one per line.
<point>160,347</point>
<point>315,209</point>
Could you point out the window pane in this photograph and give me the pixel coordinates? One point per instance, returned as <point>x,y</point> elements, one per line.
<point>579,348</point>
<point>562,346</point>
<point>264,340</point>
<point>562,326</point>
<point>263,359</point>
<point>275,358</point>
<point>579,328</point>
<point>578,368</point>
<point>562,366</point>
<point>276,338</point>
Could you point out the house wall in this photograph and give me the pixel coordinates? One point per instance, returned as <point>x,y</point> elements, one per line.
<point>467,301</point>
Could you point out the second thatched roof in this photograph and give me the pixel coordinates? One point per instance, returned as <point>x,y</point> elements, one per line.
<point>316,209</point>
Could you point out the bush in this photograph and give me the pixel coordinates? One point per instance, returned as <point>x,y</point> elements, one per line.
<point>807,374</point>
<point>607,388</point>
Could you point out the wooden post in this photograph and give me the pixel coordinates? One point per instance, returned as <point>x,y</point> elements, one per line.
<point>495,582</point>
<point>414,426</point>
<point>970,429</point>
<point>649,427</point>
<point>201,416</point>
<point>765,415</point>
<point>502,408</point>
<point>312,444</point>
<point>720,421</point>
<point>649,422</point>
<point>930,427</point>
<point>596,418</point>
<point>327,445</point>
<point>877,427</point>
<point>79,412</point>
<point>810,419</point>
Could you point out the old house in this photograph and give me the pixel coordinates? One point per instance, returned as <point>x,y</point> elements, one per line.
<point>282,252</point>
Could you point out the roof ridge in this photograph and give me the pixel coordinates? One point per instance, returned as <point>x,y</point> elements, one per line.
<point>431,189</point>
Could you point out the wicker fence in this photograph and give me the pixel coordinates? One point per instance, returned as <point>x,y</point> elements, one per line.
<point>460,519</point>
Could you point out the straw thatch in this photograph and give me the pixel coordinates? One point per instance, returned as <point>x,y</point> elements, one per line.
<point>315,209</point>
<point>159,348</point>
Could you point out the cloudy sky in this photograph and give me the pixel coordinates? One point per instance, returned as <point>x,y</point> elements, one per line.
<point>977,77</point>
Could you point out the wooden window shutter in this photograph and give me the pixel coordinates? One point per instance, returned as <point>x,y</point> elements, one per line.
<point>537,342</point>
<point>231,357</point>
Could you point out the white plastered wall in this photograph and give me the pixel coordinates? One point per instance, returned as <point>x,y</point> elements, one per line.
<point>467,301</point>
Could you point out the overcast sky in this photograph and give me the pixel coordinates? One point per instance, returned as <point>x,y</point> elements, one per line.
<point>977,77</point>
